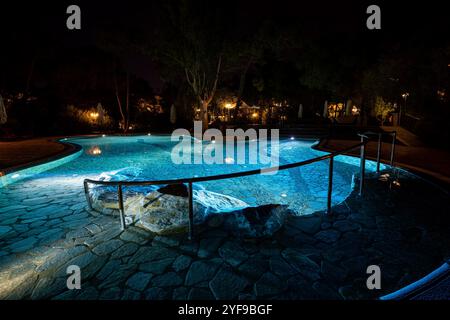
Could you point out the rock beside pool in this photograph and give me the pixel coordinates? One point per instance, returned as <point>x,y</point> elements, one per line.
<point>254,222</point>
<point>167,209</point>
<point>165,213</point>
<point>216,202</point>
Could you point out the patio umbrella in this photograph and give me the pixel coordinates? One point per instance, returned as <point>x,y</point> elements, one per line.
<point>173,114</point>
<point>300,111</point>
<point>101,113</point>
<point>325,109</point>
<point>3,116</point>
<point>348,108</point>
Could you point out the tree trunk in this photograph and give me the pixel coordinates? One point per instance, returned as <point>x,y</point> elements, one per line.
<point>241,88</point>
<point>128,102</point>
<point>204,114</point>
<point>119,103</point>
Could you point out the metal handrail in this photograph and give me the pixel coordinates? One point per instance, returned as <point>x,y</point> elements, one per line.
<point>190,181</point>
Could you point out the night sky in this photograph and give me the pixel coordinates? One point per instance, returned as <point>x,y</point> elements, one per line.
<point>33,25</point>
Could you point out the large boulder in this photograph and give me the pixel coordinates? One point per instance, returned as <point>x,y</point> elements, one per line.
<point>166,210</point>
<point>253,222</point>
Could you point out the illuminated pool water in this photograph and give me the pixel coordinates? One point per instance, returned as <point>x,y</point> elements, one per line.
<point>139,158</point>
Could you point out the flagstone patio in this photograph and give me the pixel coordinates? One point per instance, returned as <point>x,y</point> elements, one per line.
<point>404,230</point>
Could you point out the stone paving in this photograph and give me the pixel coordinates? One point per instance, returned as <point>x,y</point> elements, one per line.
<point>403,229</point>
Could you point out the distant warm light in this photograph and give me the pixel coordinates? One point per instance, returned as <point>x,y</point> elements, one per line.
<point>229,105</point>
<point>229,160</point>
<point>93,115</point>
<point>255,115</point>
<point>405,95</point>
<point>103,135</point>
<point>94,151</point>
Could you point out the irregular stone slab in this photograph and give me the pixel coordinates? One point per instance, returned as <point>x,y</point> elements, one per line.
<point>156,267</point>
<point>200,294</point>
<point>89,293</point>
<point>156,294</point>
<point>133,236</point>
<point>81,261</point>
<point>107,247</point>
<point>181,263</point>
<point>254,267</point>
<point>23,245</point>
<point>208,247</point>
<point>180,293</point>
<point>124,251</point>
<point>169,279</point>
<point>332,271</point>
<point>356,265</point>
<point>93,228</point>
<point>201,271</point>
<point>108,269</point>
<point>146,254</point>
<point>48,287</point>
<point>226,284</point>
<point>103,236</point>
<point>281,268</point>
<point>4,230</point>
<point>345,225</point>
<point>299,288</point>
<point>268,285</point>
<point>139,281</point>
<point>328,236</point>
<point>308,268</point>
<point>117,276</point>
<point>110,294</point>
<point>94,266</point>
<point>233,253</point>
<point>131,295</point>
<point>12,207</point>
<point>57,257</point>
<point>309,225</point>
<point>168,241</point>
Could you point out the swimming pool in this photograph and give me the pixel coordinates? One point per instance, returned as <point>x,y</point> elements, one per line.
<point>140,158</point>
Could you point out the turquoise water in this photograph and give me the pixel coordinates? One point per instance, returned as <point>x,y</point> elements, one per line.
<point>140,158</point>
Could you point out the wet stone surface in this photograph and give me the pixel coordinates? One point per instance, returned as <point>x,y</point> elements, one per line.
<point>310,257</point>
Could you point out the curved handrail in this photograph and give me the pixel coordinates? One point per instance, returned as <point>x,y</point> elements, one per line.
<point>226,175</point>
<point>190,181</point>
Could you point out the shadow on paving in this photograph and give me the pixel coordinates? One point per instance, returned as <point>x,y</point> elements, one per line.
<point>402,229</point>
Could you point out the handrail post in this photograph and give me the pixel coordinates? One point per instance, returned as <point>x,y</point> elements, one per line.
<point>362,166</point>
<point>191,212</point>
<point>330,185</point>
<point>394,138</point>
<point>86,193</point>
<point>379,152</point>
<point>121,208</point>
